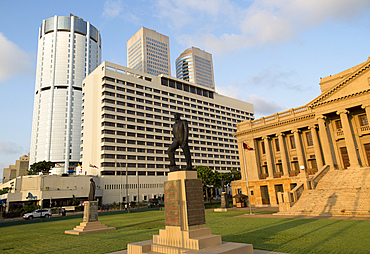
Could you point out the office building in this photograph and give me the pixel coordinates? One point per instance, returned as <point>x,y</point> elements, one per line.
<point>19,169</point>
<point>320,148</point>
<point>127,119</point>
<point>195,65</point>
<point>149,51</point>
<point>69,48</point>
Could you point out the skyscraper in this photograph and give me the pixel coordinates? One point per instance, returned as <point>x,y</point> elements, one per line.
<point>69,49</point>
<point>149,51</point>
<point>195,65</point>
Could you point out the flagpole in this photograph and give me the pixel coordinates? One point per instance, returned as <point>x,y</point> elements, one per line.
<point>246,179</point>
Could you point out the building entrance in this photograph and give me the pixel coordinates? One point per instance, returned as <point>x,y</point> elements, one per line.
<point>265,195</point>
<point>345,158</point>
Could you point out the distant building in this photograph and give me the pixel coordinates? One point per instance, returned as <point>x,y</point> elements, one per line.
<point>69,48</point>
<point>47,191</point>
<point>19,169</point>
<point>149,51</point>
<point>332,131</point>
<point>127,119</point>
<point>195,65</point>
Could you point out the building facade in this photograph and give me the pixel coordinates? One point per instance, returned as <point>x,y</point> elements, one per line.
<point>69,48</point>
<point>195,65</point>
<point>19,169</point>
<point>48,190</point>
<point>127,119</point>
<point>149,51</point>
<point>332,130</point>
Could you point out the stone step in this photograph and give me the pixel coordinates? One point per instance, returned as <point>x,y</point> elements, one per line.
<point>339,192</point>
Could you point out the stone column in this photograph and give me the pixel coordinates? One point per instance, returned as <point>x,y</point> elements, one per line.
<point>268,157</point>
<point>299,147</point>
<point>316,146</point>
<point>367,110</point>
<point>283,153</point>
<point>325,142</point>
<point>348,138</point>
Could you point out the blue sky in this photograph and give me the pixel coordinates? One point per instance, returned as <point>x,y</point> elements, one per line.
<point>271,53</point>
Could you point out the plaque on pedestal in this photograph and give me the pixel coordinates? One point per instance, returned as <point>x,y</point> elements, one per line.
<point>90,222</point>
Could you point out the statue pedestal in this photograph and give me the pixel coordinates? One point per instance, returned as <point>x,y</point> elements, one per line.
<point>90,222</point>
<point>224,204</point>
<point>185,230</point>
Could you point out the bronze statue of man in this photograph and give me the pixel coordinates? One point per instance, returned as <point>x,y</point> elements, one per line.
<point>180,131</point>
<point>92,190</point>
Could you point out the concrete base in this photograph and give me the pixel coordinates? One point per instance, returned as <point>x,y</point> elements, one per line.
<point>224,209</point>
<point>185,230</point>
<point>89,228</point>
<point>223,248</point>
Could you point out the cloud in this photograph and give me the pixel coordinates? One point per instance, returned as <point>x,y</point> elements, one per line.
<point>263,106</point>
<point>179,13</point>
<point>13,60</point>
<point>10,148</point>
<point>273,78</point>
<point>112,8</point>
<point>260,22</point>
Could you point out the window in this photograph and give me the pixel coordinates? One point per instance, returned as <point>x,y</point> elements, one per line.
<point>263,147</point>
<point>292,142</point>
<point>363,120</point>
<point>338,125</point>
<point>309,138</point>
<point>277,145</point>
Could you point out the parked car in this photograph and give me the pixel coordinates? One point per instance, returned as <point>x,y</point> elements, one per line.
<point>39,213</point>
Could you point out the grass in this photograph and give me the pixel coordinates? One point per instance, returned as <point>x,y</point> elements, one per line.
<point>274,234</point>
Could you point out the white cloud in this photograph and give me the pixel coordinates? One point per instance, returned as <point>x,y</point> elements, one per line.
<point>13,60</point>
<point>263,106</point>
<point>112,8</point>
<point>10,148</point>
<point>261,22</point>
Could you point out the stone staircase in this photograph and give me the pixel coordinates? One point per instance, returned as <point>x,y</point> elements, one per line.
<point>338,193</point>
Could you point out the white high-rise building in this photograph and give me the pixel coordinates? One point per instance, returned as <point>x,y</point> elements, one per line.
<point>195,65</point>
<point>149,51</point>
<point>69,49</point>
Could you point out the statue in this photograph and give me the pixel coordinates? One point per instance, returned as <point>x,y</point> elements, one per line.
<point>180,131</point>
<point>92,190</point>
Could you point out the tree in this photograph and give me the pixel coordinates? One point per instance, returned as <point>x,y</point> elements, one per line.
<point>41,166</point>
<point>228,177</point>
<point>210,180</point>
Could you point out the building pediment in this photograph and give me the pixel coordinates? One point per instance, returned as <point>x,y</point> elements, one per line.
<point>348,85</point>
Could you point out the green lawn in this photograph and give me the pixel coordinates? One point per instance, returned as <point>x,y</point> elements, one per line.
<point>275,234</point>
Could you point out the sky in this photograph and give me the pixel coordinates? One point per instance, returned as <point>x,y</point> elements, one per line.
<point>271,53</point>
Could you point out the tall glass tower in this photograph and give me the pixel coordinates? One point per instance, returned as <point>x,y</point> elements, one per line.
<point>195,65</point>
<point>149,51</point>
<point>69,49</point>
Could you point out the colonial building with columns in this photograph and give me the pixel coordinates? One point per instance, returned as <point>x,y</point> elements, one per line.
<point>331,130</point>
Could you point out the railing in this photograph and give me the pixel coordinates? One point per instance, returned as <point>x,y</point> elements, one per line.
<point>297,192</point>
<point>317,177</point>
<point>277,116</point>
<point>365,128</point>
<point>312,171</point>
<point>293,173</point>
<point>277,174</point>
<point>263,176</point>
<point>300,109</point>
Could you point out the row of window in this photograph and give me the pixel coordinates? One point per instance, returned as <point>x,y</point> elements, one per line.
<point>132,186</point>
<point>152,165</point>
<point>152,158</point>
<point>179,86</point>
